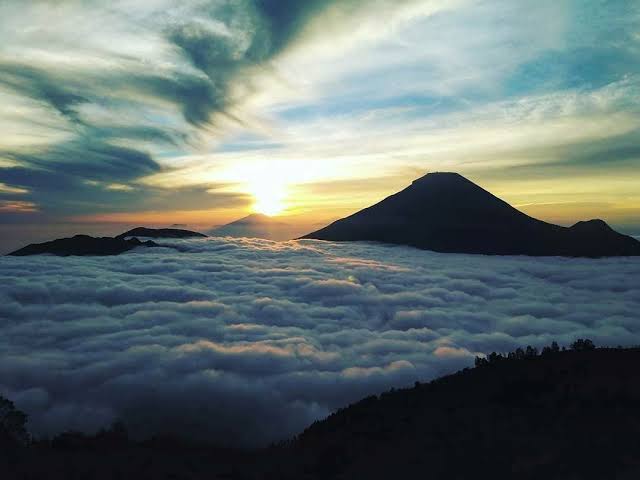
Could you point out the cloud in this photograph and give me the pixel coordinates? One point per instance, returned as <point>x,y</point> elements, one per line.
<point>248,341</point>
<point>16,206</point>
<point>38,84</point>
<point>4,188</point>
<point>90,159</point>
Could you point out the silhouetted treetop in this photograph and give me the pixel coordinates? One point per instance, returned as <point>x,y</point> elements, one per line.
<point>582,345</point>
<point>579,345</point>
<point>12,424</point>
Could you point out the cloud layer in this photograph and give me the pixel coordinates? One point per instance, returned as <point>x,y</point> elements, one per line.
<point>249,341</point>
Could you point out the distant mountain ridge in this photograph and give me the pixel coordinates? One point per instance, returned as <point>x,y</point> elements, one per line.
<point>445,212</point>
<point>160,233</point>
<point>257,225</point>
<point>83,245</point>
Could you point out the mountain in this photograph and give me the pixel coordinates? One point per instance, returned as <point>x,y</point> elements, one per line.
<point>160,233</point>
<point>445,212</point>
<point>257,225</point>
<point>86,245</point>
<point>83,245</point>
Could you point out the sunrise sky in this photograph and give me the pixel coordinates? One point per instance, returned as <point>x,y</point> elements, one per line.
<point>201,111</point>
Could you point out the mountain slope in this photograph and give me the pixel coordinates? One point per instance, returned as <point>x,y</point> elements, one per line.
<point>570,414</point>
<point>83,245</point>
<point>445,212</point>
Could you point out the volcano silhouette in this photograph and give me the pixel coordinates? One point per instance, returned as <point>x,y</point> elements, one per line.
<point>445,212</point>
<point>257,225</point>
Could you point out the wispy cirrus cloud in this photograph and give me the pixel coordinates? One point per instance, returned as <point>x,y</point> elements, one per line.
<point>17,206</point>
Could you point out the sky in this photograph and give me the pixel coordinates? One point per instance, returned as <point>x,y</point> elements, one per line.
<point>199,112</point>
<point>247,341</point>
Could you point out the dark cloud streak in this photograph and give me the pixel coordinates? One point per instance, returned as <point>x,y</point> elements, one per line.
<point>40,85</point>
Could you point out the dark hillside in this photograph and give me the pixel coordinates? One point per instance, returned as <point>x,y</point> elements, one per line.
<point>564,414</point>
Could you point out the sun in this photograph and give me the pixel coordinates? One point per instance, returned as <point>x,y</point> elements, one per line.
<point>269,206</point>
<point>269,198</point>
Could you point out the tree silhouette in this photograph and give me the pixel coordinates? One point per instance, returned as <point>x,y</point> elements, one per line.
<point>480,361</point>
<point>12,424</point>
<point>583,345</point>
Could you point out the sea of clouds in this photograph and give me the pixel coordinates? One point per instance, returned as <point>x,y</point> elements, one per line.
<point>248,341</point>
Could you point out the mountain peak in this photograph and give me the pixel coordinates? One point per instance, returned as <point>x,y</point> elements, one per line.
<point>257,225</point>
<point>593,225</point>
<point>441,178</point>
<point>258,217</point>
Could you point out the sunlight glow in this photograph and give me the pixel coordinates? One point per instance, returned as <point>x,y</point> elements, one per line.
<point>271,182</point>
<point>269,194</point>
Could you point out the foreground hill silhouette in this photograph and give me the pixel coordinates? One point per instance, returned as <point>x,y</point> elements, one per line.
<point>445,212</point>
<point>160,233</point>
<point>83,245</point>
<point>571,414</point>
<point>257,225</point>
